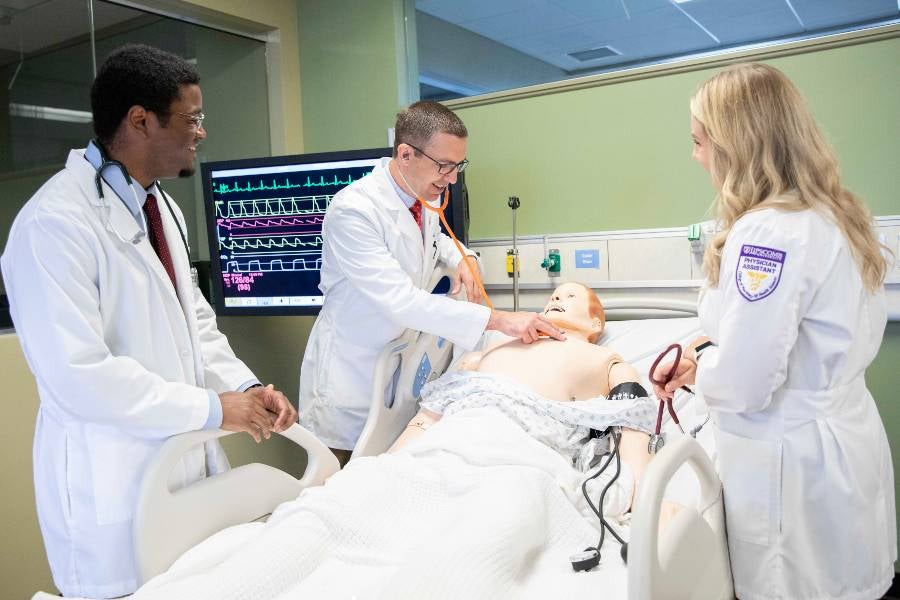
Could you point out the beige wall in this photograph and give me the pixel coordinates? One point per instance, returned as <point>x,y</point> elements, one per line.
<point>23,563</point>
<point>278,21</point>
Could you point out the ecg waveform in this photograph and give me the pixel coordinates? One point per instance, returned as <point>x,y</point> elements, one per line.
<point>262,186</point>
<point>282,242</point>
<point>272,207</point>
<point>269,229</point>
<point>256,223</point>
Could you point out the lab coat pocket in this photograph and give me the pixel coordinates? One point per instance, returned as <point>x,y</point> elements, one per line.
<point>117,463</point>
<point>750,470</point>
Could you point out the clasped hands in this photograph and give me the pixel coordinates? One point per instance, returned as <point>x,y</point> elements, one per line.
<point>259,411</point>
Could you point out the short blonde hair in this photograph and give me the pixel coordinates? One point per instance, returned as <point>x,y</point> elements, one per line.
<point>766,151</point>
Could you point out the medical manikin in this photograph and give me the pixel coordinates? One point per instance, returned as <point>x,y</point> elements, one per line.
<point>572,370</point>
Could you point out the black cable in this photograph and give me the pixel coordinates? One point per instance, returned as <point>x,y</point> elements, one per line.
<point>604,525</point>
<point>617,436</point>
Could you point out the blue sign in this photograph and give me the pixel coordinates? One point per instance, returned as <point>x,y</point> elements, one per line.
<point>587,259</point>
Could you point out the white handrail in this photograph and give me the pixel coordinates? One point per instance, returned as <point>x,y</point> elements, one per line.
<point>168,523</point>
<point>681,570</point>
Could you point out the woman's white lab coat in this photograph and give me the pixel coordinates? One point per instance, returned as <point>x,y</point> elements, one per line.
<point>802,451</point>
<point>121,363</point>
<point>375,264</point>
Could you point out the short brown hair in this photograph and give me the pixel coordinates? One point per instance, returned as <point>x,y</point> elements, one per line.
<point>421,120</point>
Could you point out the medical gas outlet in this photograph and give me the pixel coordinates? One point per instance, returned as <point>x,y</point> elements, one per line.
<point>511,259</point>
<point>552,263</point>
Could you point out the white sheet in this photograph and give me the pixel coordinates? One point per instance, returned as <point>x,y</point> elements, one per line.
<point>476,509</point>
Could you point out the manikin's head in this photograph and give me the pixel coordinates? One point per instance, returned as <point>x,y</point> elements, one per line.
<point>575,308</point>
<point>429,148</point>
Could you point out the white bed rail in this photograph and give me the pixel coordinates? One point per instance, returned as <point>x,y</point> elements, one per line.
<point>403,367</point>
<point>653,306</point>
<point>168,523</point>
<point>689,558</point>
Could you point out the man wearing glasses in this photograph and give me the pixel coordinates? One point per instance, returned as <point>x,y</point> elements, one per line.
<point>123,346</point>
<point>380,250</point>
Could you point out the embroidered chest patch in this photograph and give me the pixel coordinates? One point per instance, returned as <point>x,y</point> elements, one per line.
<point>758,271</point>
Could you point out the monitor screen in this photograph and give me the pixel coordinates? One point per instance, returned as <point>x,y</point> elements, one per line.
<point>264,220</point>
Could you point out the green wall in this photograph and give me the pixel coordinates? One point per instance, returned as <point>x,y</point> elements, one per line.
<point>348,73</point>
<point>883,380</point>
<point>618,156</point>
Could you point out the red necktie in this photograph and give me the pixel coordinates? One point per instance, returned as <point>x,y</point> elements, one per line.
<point>416,211</point>
<point>158,237</point>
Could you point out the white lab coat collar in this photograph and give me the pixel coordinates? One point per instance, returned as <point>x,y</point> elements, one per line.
<point>121,221</point>
<point>393,204</point>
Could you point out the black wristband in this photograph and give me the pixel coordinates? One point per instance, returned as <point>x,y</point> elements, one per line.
<point>701,347</point>
<point>628,390</point>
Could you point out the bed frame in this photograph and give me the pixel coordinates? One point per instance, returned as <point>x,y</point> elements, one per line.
<point>167,523</point>
<point>687,560</point>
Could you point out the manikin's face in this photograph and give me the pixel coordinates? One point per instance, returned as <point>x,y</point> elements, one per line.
<point>421,172</point>
<point>176,143</point>
<point>569,310</point>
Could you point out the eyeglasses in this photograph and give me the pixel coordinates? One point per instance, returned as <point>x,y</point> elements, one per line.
<point>444,168</point>
<point>195,119</point>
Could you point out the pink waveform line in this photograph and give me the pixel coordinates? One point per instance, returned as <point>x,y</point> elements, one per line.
<point>258,216</point>
<point>272,223</point>
<point>279,234</point>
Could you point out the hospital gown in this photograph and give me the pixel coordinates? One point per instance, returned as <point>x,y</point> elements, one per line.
<point>563,426</point>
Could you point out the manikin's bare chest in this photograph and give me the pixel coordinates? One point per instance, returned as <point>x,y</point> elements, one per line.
<point>570,370</point>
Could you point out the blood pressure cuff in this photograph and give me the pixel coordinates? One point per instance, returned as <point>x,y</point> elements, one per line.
<point>629,390</point>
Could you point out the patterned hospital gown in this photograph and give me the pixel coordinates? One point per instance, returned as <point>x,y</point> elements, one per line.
<point>563,426</point>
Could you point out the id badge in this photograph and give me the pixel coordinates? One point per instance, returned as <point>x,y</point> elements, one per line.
<point>195,278</point>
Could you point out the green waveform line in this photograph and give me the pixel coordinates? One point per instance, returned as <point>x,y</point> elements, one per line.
<point>224,188</point>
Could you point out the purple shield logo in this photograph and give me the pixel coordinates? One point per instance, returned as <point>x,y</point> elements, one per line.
<point>758,271</point>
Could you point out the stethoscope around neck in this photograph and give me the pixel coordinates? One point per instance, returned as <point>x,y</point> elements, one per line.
<point>108,163</point>
<point>440,212</point>
<point>106,208</point>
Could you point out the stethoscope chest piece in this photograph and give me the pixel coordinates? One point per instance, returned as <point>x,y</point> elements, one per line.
<point>657,441</point>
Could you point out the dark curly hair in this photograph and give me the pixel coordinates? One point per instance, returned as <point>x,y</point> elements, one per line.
<point>141,75</point>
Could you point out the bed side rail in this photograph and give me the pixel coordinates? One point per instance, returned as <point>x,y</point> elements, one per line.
<point>168,523</point>
<point>403,367</point>
<point>689,559</point>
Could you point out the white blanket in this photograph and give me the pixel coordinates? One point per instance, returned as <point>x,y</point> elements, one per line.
<point>475,509</point>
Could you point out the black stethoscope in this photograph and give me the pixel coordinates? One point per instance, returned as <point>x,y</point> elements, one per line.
<point>107,163</point>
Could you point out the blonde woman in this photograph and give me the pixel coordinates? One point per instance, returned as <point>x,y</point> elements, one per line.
<point>794,308</point>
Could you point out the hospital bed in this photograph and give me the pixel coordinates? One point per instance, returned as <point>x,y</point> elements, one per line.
<point>688,559</point>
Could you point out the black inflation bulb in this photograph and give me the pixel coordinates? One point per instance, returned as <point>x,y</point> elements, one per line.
<point>585,561</point>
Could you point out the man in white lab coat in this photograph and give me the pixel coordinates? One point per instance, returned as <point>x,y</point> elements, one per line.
<point>123,346</point>
<point>380,250</point>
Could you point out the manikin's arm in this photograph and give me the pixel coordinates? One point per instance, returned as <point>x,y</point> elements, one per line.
<point>417,426</point>
<point>633,447</point>
<point>470,361</point>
